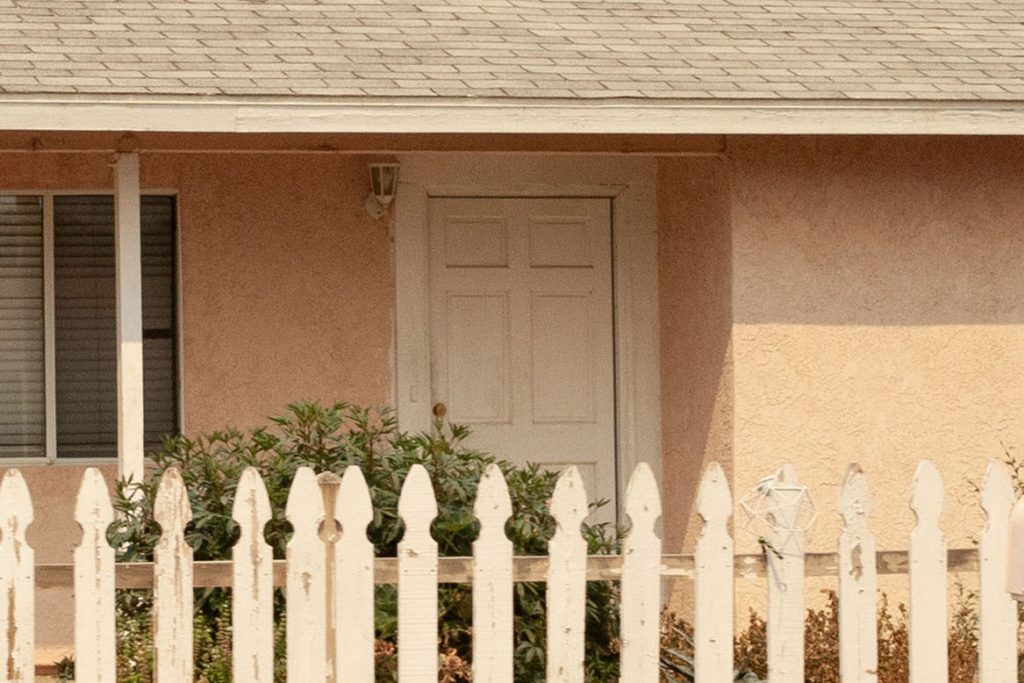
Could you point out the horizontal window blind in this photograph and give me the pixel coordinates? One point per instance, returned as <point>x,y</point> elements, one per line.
<point>22,340</point>
<point>86,323</point>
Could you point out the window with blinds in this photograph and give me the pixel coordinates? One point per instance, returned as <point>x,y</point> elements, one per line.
<point>22,340</point>
<point>85,326</point>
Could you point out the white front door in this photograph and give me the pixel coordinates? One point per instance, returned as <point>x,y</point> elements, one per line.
<point>521,330</point>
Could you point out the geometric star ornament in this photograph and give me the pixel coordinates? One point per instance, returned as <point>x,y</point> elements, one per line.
<point>779,513</point>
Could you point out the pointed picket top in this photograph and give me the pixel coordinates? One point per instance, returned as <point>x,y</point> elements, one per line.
<point>355,509</point>
<point>492,506</point>
<point>997,494</point>
<point>641,579</point>
<point>927,496</point>
<point>492,581</point>
<point>567,580</point>
<point>17,580</point>
<point>252,614</point>
<point>713,580</point>
<point>16,513</point>
<point>305,588</point>
<point>643,500</point>
<point>927,637</point>
<point>353,566</point>
<point>417,581</point>
<point>854,498</point>
<point>569,502</point>
<point>304,503</point>
<point>858,582</point>
<point>92,506</point>
<point>172,569</point>
<point>252,505</point>
<point>95,657</point>
<point>714,499</point>
<point>997,614</point>
<point>416,504</point>
<point>171,510</point>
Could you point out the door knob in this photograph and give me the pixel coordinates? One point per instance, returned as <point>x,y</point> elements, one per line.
<point>440,410</point>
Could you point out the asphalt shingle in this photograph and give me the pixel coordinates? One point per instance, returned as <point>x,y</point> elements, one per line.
<point>582,49</point>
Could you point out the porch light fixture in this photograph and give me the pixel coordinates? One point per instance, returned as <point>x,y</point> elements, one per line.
<point>383,186</point>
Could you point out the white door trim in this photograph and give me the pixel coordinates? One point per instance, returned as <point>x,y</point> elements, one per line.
<point>631,185</point>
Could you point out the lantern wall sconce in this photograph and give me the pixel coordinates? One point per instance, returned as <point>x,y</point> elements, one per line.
<point>383,186</point>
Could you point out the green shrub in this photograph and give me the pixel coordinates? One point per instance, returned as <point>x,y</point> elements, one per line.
<point>330,438</point>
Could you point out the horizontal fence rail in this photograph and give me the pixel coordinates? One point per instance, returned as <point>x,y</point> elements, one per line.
<point>328,577</point>
<point>525,569</point>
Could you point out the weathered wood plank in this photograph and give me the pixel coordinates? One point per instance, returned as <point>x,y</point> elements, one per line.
<point>713,580</point>
<point>252,610</point>
<point>213,574</point>
<point>641,580</point>
<point>305,585</point>
<point>17,575</point>
<point>786,582</point>
<point>858,583</point>
<point>417,581</point>
<point>929,661</point>
<point>354,572</point>
<point>997,640</point>
<point>95,655</point>
<point>566,580</point>
<point>492,582</point>
<point>172,582</point>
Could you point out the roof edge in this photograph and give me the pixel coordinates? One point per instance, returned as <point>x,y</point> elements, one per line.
<point>510,116</point>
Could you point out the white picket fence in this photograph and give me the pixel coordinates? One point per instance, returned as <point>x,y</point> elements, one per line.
<point>330,572</point>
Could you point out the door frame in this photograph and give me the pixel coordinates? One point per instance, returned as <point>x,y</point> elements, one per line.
<point>631,185</point>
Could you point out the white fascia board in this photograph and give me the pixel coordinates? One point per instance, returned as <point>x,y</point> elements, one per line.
<point>312,115</point>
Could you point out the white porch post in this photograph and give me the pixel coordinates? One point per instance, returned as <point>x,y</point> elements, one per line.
<point>128,250</point>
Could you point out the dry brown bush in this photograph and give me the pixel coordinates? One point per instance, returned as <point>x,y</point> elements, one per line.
<point>821,641</point>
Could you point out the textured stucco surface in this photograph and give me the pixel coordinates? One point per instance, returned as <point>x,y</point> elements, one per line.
<point>822,301</point>
<point>695,304</point>
<point>878,302</point>
<point>286,293</point>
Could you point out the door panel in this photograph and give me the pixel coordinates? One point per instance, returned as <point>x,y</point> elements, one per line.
<point>521,330</point>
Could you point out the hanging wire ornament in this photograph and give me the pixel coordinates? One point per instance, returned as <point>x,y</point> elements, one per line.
<point>779,513</point>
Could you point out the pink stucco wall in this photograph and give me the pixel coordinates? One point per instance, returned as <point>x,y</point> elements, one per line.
<point>695,307</point>
<point>286,294</point>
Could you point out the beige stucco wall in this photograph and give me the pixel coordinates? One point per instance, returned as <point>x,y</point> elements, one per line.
<point>875,314</point>
<point>878,302</point>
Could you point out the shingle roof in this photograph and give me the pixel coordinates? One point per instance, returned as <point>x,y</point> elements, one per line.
<point>580,49</point>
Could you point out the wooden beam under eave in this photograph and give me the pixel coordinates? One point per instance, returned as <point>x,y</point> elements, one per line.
<point>128,251</point>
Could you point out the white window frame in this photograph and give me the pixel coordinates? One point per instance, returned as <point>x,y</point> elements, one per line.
<point>49,322</point>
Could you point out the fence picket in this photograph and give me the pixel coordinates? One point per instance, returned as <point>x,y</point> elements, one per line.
<point>641,579</point>
<point>172,582</point>
<point>354,570</point>
<point>95,655</point>
<point>17,581</point>
<point>997,641</point>
<point>713,580</point>
<point>858,582</point>
<point>492,581</point>
<point>567,580</point>
<point>417,581</point>
<point>252,609</point>
<point>929,661</point>
<point>305,588</point>
<point>786,583</point>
